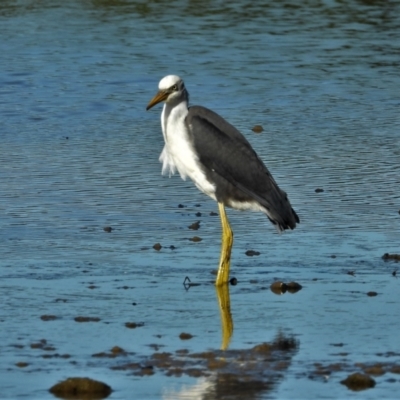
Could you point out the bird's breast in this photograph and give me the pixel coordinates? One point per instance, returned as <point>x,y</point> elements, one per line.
<point>180,148</point>
<point>181,155</point>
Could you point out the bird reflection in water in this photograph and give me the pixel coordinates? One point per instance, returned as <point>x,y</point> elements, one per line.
<point>224,303</point>
<point>201,145</point>
<point>238,374</point>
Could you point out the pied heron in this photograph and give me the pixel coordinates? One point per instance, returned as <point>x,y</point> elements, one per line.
<point>201,145</point>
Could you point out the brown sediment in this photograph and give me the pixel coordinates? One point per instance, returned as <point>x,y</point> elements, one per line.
<point>17,346</point>
<point>56,355</point>
<point>195,372</point>
<point>21,364</point>
<point>195,226</point>
<point>155,346</point>
<point>388,256</point>
<point>126,367</point>
<point>262,348</point>
<point>145,371</point>
<point>278,287</point>
<point>293,287</point>
<point>241,372</point>
<point>157,247</point>
<point>395,369</point>
<point>48,348</point>
<point>134,325</point>
<point>361,379</point>
<point>86,319</point>
<point>185,336</point>
<point>116,351</point>
<point>174,371</point>
<point>58,300</point>
<point>342,354</point>
<point>251,253</point>
<point>182,352</point>
<point>376,370</point>
<point>162,356</point>
<point>162,360</point>
<point>196,239</point>
<point>81,388</point>
<point>358,381</point>
<point>216,364</point>
<point>39,345</point>
<point>207,355</point>
<point>233,281</point>
<point>48,317</point>
<point>257,128</point>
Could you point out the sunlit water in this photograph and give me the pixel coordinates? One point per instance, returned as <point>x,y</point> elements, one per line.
<point>78,152</point>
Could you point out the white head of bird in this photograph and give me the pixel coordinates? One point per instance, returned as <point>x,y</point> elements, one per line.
<point>171,89</point>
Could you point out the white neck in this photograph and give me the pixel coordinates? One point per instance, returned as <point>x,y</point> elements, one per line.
<point>172,115</point>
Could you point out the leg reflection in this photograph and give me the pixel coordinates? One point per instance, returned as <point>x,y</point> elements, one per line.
<point>226,316</point>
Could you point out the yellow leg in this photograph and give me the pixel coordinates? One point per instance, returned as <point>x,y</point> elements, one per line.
<point>227,242</point>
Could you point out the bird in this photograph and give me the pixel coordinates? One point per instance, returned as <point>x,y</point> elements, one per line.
<point>202,145</point>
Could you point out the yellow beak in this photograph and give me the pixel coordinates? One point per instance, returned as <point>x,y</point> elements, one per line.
<point>158,98</point>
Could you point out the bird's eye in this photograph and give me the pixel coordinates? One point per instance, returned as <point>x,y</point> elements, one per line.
<point>174,88</point>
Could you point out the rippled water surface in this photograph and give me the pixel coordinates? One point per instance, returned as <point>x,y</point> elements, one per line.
<point>78,152</point>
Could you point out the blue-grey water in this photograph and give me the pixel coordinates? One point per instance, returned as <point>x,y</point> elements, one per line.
<point>78,152</point>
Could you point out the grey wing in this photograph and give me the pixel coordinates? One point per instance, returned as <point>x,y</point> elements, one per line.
<point>230,161</point>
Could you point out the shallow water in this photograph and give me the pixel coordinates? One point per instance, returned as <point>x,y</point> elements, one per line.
<point>78,153</point>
